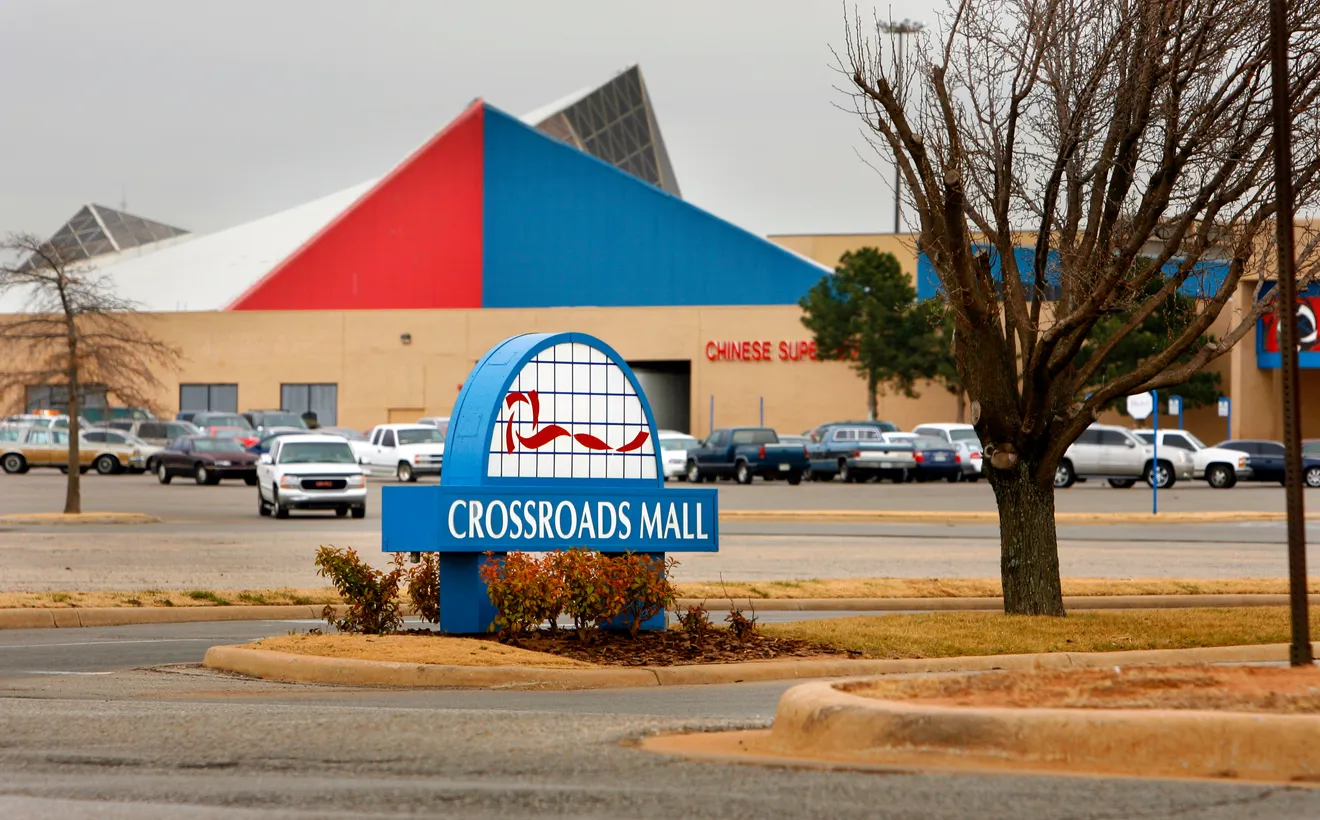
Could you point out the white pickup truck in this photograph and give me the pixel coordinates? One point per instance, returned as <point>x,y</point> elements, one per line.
<point>404,451</point>
<point>310,472</point>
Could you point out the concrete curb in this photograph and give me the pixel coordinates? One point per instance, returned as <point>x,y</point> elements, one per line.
<point>71,617</point>
<point>285,666</point>
<point>825,721</point>
<point>60,519</point>
<point>990,517</point>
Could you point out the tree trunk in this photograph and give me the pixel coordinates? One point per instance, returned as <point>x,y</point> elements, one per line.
<point>962,405</point>
<point>1028,541</point>
<point>871,386</point>
<point>73,490</point>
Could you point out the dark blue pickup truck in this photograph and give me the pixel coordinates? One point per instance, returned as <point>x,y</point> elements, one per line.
<point>744,453</point>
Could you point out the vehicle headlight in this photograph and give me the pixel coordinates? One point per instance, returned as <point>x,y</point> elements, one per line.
<point>1243,462</point>
<point>289,482</point>
<point>356,481</point>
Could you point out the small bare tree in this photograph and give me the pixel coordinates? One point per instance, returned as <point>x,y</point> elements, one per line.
<point>73,331</point>
<point>1128,145</point>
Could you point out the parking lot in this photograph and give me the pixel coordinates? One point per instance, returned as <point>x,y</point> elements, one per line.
<point>212,537</point>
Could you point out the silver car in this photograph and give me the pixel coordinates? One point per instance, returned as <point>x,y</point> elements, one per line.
<point>1115,454</point>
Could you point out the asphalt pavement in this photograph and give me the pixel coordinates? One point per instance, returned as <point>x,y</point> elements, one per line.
<point>91,725</point>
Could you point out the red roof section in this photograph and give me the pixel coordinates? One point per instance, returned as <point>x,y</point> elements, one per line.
<point>411,242</point>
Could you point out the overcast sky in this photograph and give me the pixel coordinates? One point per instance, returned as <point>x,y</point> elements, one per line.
<point>205,115</point>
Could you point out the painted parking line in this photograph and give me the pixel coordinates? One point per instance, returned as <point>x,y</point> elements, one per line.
<point>108,643</point>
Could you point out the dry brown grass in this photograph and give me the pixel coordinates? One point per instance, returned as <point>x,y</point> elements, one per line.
<point>954,634</point>
<point>977,587</point>
<point>443,650</point>
<point>173,597</point>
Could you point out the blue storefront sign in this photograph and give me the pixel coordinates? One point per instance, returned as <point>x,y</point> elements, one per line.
<point>552,445</point>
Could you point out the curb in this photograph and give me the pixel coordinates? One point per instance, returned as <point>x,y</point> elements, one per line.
<point>952,517</point>
<point>71,617</point>
<point>824,720</point>
<point>63,520</point>
<point>285,666</point>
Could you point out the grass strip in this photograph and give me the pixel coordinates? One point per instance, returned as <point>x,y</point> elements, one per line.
<point>169,598</point>
<point>955,634</point>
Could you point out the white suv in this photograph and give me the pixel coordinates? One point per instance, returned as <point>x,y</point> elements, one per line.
<point>404,451</point>
<point>1114,453</point>
<point>964,439</point>
<point>310,472</point>
<point>1221,467</point>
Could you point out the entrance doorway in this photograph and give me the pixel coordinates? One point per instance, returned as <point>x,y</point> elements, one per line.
<point>668,387</point>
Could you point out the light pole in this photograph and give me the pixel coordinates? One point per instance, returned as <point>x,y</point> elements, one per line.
<point>899,31</point>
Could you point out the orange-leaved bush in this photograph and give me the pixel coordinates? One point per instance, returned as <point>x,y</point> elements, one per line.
<point>371,595</point>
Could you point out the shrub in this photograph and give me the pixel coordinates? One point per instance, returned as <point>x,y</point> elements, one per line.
<point>371,595</point>
<point>740,625</point>
<point>695,622</point>
<point>641,588</point>
<point>515,586</point>
<point>587,592</point>
<point>424,588</point>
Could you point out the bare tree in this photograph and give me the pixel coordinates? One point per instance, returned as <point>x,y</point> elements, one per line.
<point>1127,143</point>
<point>73,331</point>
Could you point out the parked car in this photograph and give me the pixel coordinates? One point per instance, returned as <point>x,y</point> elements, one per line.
<point>262,420</point>
<point>817,433</point>
<point>356,439</point>
<point>156,433</point>
<point>964,438</point>
<point>46,421</point>
<point>208,460</point>
<point>1115,454</point>
<point>744,453</point>
<point>308,471</point>
<point>1267,460</point>
<point>674,447</point>
<point>435,421</point>
<point>40,447</point>
<point>268,436</point>
<point>228,425</point>
<point>100,415</point>
<point>405,451</point>
<point>934,458</point>
<point>141,451</point>
<point>858,454</point>
<point>1221,468</point>
<point>186,415</point>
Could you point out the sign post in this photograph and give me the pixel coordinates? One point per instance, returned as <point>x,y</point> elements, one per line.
<point>1139,407</point>
<point>1176,409</point>
<point>552,446</point>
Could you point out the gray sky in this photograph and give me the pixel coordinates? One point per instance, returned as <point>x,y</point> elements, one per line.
<point>207,114</point>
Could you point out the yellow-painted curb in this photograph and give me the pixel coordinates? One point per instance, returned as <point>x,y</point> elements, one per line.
<point>285,666</point>
<point>74,519</point>
<point>824,721</point>
<point>990,517</point>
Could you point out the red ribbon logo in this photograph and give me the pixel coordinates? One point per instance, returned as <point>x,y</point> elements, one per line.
<point>541,437</point>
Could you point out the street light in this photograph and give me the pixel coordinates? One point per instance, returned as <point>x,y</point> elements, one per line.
<point>899,31</point>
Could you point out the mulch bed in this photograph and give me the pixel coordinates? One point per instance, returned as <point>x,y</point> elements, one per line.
<point>670,648</point>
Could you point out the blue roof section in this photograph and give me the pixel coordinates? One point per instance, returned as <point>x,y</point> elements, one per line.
<point>1206,278</point>
<point>564,229</point>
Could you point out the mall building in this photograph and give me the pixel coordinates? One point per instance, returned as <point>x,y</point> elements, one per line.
<point>372,304</point>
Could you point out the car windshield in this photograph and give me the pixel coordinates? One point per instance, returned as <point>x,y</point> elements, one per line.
<point>755,436</point>
<point>282,420</point>
<point>679,443</point>
<point>928,443</point>
<point>965,435</point>
<point>1200,445</point>
<point>175,429</point>
<point>344,432</point>
<point>422,435</point>
<point>316,452</point>
<point>225,420</point>
<point>217,445</point>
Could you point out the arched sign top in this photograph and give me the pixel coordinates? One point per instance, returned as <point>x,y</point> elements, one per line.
<point>552,407</point>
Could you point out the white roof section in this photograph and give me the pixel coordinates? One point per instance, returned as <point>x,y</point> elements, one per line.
<point>536,117</point>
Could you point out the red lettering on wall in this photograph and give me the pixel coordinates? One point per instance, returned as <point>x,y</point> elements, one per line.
<point>760,350</point>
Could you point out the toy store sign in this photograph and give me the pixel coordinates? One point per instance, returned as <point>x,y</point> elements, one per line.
<point>761,351</point>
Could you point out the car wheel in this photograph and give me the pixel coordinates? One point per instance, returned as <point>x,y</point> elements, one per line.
<point>742,473</point>
<point>955,478</point>
<point>250,480</point>
<point>1064,477</point>
<point>360,511</point>
<point>1220,476</point>
<point>263,509</point>
<point>794,479</point>
<point>1162,473</point>
<point>340,512</point>
<point>281,511</point>
<point>845,472</point>
<point>202,475</point>
<point>694,475</point>
<point>14,464</point>
<point>1312,476</point>
<point>162,474</point>
<point>106,465</point>
<point>404,472</point>
<point>1122,483</point>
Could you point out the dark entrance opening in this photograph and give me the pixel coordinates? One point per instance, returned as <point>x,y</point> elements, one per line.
<point>668,387</point>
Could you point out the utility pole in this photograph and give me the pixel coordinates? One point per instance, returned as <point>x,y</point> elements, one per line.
<point>1300,654</point>
<point>899,31</point>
